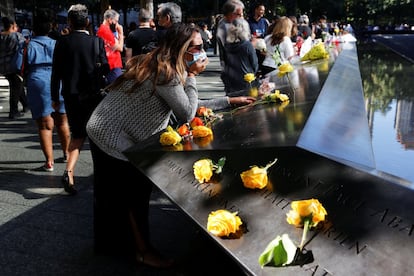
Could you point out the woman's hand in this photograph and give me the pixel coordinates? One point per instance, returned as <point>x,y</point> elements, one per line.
<point>241,100</point>
<point>198,67</point>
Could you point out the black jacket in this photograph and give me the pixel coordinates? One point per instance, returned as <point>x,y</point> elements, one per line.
<point>75,64</point>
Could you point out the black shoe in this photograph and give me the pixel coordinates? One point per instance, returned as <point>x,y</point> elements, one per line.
<point>15,115</point>
<point>69,188</point>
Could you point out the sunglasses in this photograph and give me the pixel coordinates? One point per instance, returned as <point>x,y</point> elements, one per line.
<point>198,47</point>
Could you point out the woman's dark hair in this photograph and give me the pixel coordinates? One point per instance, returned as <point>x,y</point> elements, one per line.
<point>41,23</point>
<point>7,22</point>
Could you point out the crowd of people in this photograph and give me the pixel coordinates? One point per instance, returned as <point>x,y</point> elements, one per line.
<point>79,83</point>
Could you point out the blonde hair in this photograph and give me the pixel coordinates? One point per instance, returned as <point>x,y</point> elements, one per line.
<point>282,28</point>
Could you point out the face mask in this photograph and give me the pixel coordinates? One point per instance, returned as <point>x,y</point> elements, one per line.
<point>196,56</point>
<point>112,27</point>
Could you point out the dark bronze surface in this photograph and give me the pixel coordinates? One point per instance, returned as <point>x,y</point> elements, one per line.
<point>324,151</point>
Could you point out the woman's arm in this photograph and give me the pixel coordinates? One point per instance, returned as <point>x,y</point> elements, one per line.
<point>183,100</point>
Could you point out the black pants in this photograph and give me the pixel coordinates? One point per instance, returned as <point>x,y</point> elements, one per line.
<point>119,188</point>
<point>17,93</point>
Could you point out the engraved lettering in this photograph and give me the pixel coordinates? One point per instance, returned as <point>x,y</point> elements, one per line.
<point>359,205</point>
<point>337,237</point>
<point>275,197</point>
<point>317,269</point>
<point>286,204</point>
<point>212,193</point>
<point>357,248</point>
<point>409,229</point>
<point>267,194</point>
<point>382,214</point>
<point>395,222</point>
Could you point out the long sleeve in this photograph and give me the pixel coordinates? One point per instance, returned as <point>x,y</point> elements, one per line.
<point>215,103</point>
<point>182,100</point>
<point>56,74</point>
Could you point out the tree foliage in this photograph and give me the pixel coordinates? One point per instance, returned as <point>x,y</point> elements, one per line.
<point>357,12</point>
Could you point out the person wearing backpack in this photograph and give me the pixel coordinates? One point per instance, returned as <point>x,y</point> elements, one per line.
<point>10,42</point>
<point>138,41</point>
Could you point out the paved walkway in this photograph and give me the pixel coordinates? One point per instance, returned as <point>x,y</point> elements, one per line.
<point>45,232</point>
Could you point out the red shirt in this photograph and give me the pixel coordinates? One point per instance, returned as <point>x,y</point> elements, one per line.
<point>114,56</point>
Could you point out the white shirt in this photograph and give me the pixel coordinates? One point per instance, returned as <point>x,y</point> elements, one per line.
<point>285,48</point>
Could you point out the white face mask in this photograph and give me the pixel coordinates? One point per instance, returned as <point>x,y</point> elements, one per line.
<point>196,56</point>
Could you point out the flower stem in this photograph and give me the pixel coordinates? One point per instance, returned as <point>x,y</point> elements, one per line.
<point>270,164</point>
<point>305,231</point>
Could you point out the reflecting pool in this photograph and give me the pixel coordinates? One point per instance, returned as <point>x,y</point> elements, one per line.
<point>389,101</point>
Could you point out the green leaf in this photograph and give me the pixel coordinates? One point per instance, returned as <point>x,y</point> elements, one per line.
<point>279,252</point>
<point>220,165</point>
<point>267,255</point>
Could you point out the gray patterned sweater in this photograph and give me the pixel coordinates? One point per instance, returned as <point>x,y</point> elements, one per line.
<point>122,120</point>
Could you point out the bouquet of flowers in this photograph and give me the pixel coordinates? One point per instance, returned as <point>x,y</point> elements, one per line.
<point>318,51</point>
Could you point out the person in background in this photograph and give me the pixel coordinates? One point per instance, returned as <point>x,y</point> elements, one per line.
<point>206,35</point>
<point>295,32</point>
<point>10,42</point>
<point>138,39</point>
<point>132,26</point>
<point>321,28</point>
<point>139,104</point>
<point>112,34</point>
<point>38,69</point>
<point>54,31</point>
<point>168,14</point>
<point>74,70</point>
<point>279,45</point>
<point>257,22</point>
<point>305,35</point>
<point>241,58</point>
<point>304,30</point>
<point>258,27</point>
<point>232,9</point>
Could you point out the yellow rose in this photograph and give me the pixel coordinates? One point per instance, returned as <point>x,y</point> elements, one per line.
<point>249,77</point>
<point>304,209</point>
<point>203,170</point>
<point>294,218</point>
<point>253,92</point>
<point>170,137</point>
<point>201,131</point>
<point>222,223</point>
<point>283,97</point>
<point>255,178</point>
<point>284,69</point>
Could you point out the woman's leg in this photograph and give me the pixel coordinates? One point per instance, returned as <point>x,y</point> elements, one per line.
<point>62,128</point>
<point>112,231</point>
<point>45,129</point>
<point>75,146</point>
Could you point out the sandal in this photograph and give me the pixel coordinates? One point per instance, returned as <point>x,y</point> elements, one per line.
<point>154,260</point>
